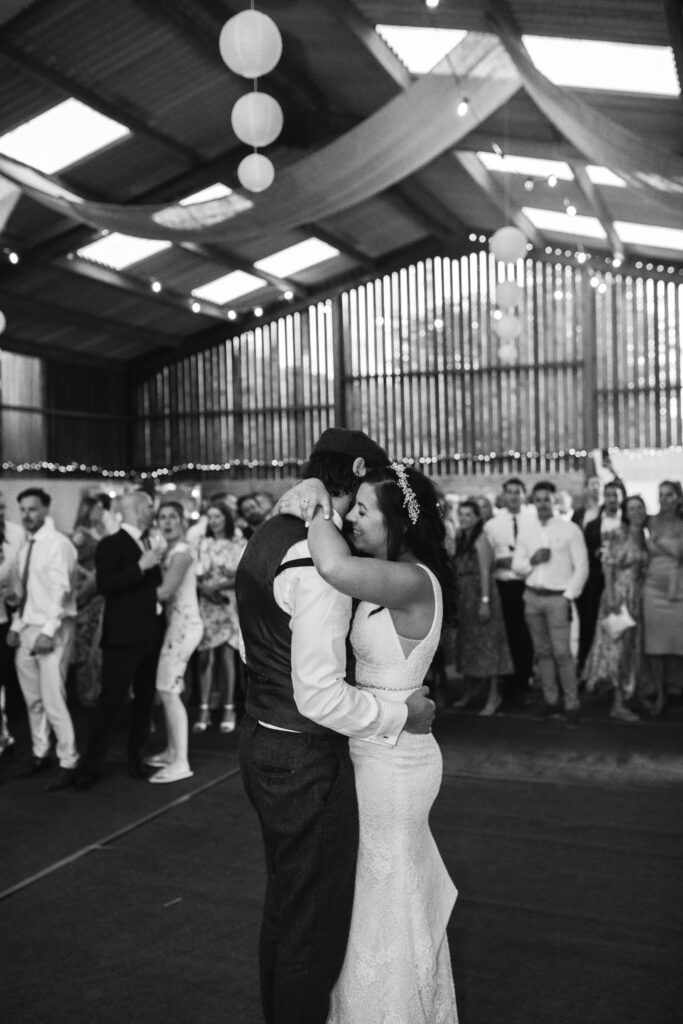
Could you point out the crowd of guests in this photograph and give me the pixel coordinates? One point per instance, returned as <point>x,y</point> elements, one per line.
<point>564,601</point>
<point>553,601</point>
<point>131,604</point>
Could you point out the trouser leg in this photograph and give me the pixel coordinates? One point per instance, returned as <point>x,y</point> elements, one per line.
<point>559,625</point>
<point>536,618</point>
<point>303,790</point>
<point>144,689</point>
<point>517,632</point>
<point>52,669</point>
<point>28,672</point>
<point>118,668</point>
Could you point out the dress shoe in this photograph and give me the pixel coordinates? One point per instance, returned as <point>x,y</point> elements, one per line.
<point>9,751</point>
<point>172,773</point>
<point>85,779</point>
<point>35,766</point>
<point>65,779</point>
<point>545,710</point>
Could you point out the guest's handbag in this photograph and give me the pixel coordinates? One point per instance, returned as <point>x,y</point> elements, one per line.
<point>617,623</point>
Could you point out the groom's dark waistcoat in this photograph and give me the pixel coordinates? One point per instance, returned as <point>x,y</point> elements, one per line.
<point>265,626</point>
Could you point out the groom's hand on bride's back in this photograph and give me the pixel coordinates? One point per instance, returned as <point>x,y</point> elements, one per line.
<point>421,711</point>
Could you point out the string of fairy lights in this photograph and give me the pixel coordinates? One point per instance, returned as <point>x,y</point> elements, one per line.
<point>265,465</point>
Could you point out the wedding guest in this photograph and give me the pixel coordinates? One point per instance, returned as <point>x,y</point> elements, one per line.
<point>219,554</point>
<point>251,514</point>
<point>596,532</point>
<point>42,631</point>
<point>88,531</point>
<point>551,556</point>
<point>486,509</point>
<point>502,532</point>
<point>663,596</point>
<point>11,703</point>
<point>128,574</point>
<point>617,659</point>
<point>178,593</point>
<point>592,498</point>
<point>481,644</point>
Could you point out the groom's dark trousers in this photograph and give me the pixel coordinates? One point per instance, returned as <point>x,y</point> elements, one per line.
<point>302,788</point>
<point>299,778</point>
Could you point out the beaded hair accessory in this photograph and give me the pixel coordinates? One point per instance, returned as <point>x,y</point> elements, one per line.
<point>410,502</point>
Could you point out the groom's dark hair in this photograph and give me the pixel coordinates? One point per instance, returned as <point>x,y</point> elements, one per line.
<point>334,454</point>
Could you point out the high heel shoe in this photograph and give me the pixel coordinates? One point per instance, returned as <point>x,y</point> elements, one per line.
<point>228,724</point>
<point>204,720</point>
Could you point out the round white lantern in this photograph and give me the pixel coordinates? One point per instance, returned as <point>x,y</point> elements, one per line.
<point>257,119</point>
<point>256,172</point>
<point>3,322</point>
<point>508,244</point>
<point>508,293</point>
<point>508,327</point>
<point>507,353</point>
<point>250,44</point>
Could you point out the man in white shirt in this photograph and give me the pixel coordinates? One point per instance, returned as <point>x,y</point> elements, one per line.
<point>42,632</point>
<point>11,541</point>
<point>502,532</point>
<point>551,555</point>
<point>294,753</point>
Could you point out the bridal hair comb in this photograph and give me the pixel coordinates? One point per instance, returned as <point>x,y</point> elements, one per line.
<point>410,502</point>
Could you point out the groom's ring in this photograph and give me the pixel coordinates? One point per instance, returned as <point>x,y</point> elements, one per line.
<point>305,501</point>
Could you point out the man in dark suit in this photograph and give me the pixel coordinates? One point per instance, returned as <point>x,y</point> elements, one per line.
<point>588,602</point>
<point>128,575</point>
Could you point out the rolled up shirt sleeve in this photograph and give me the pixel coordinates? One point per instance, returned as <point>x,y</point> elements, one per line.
<point>319,622</point>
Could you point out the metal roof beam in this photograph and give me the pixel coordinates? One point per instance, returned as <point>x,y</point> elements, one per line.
<point>28,306</point>
<point>364,31</point>
<point>480,175</point>
<point>232,262</point>
<point>117,111</point>
<point>597,205</point>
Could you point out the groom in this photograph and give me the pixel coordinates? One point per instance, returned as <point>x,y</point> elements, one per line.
<point>294,753</point>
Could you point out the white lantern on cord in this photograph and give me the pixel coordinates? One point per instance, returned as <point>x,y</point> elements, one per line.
<point>257,119</point>
<point>507,353</point>
<point>250,44</point>
<point>508,244</point>
<point>508,293</point>
<point>508,327</point>
<point>256,172</point>
<point>3,322</point>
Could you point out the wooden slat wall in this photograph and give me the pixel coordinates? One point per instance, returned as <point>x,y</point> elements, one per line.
<point>412,358</point>
<point>61,412</point>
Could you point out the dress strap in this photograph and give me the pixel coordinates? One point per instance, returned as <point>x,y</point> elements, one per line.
<point>294,563</point>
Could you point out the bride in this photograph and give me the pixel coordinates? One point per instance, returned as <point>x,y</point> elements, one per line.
<point>397,967</point>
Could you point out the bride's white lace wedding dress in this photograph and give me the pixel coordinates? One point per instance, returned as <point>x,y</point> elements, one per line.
<point>397,967</point>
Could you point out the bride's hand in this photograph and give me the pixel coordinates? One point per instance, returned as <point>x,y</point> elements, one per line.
<point>304,498</point>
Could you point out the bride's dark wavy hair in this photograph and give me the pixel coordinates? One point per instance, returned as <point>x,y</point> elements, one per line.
<point>424,538</point>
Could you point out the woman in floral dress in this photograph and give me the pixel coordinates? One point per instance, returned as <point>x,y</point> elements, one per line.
<point>86,657</point>
<point>618,660</point>
<point>219,553</point>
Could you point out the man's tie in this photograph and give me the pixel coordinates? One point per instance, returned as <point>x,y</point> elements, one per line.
<point>24,578</point>
<point>514,528</point>
<point>145,541</point>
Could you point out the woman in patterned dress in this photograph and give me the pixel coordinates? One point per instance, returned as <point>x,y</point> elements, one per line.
<point>219,553</point>
<point>86,656</point>
<point>178,592</point>
<point>481,644</point>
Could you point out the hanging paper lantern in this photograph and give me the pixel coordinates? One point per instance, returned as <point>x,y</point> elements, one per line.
<point>508,327</point>
<point>257,119</point>
<point>3,322</point>
<point>256,172</point>
<point>250,44</point>
<point>507,353</point>
<point>509,293</point>
<point>508,244</point>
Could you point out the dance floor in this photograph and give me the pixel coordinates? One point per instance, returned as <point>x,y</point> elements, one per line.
<point>139,904</point>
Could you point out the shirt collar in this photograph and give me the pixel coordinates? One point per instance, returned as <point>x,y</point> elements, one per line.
<point>133,531</point>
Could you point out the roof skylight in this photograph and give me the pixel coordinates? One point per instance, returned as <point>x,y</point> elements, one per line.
<point>650,236</point>
<point>615,67</point>
<point>552,220</point>
<point>420,49</point>
<point>61,136</point>
<point>217,191</point>
<point>230,286</point>
<point>528,165</point>
<point>120,251</point>
<point>297,257</point>
<point>603,176</point>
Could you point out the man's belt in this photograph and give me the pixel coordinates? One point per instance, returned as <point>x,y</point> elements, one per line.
<point>544,592</point>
